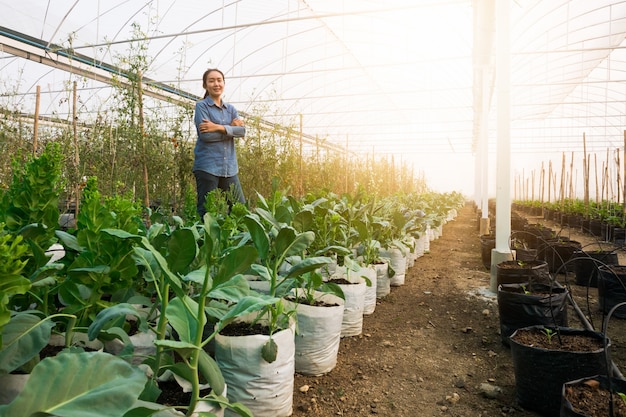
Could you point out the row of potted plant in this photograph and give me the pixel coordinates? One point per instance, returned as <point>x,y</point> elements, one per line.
<point>123,270</point>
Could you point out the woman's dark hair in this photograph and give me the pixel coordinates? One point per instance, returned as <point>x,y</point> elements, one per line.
<point>206,74</point>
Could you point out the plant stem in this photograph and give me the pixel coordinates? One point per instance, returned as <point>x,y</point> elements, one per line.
<point>195,357</point>
<point>161,328</point>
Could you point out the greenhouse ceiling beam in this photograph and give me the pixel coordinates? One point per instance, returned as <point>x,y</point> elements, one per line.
<point>37,50</point>
<point>55,56</point>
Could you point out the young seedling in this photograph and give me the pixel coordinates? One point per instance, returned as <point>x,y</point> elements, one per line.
<point>549,333</point>
<point>525,290</point>
<point>622,396</point>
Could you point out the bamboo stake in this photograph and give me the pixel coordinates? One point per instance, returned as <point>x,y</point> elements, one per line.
<point>585,176</point>
<point>532,185</point>
<point>595,168</point>
<point>549,178</point>
<point>77,187</point>
<point>618,175</point>
<point>36,124</point>
<point>300,186</point>
<point>146,198</point>
<point>571,178</point>
<point>542,179</point>
<point>562,186</point>
<point>347,171</point>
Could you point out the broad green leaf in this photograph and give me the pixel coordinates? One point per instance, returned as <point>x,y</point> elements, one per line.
<point>249,304</point>
<point>172,278</point>
<point>232,290</point>
<point>236,261</point>
<point>114,312</point>
<point>268,217</point>
<point>23,338</point>
<point>211,372</point>
<point>259,237</point>
<point>303,221</point>
<point>180,313</point>
<point>69,241</point>
<point>307,265</point>
<point>197,275</point>
<point>262,272</point>
<point>182,250</point>
<point>88,384</point>
<point>289,243</point>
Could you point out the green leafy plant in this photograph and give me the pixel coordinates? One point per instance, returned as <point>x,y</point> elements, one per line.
<point>192,281</point>
<point>279,244</point>
<point>99,263</point>
<point>12,281</point>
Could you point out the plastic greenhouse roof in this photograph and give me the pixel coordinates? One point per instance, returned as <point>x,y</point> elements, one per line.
<point>390,76</point>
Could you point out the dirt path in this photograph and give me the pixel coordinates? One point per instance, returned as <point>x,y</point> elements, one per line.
<point>431,348</point>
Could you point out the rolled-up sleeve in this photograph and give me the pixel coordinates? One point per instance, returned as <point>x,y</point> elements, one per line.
<point>235,131</point>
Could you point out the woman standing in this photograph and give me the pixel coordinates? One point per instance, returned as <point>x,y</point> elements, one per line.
<point>217,124</point>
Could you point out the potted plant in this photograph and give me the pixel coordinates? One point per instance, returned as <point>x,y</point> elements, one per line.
<point>264,381</point>
<point>544,358</point>
<point>596,395</point>
<point>529,304</point>
<point>191,280</point>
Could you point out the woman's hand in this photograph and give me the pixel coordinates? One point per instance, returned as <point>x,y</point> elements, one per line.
<point>236,122</point>
<point>207,126</point>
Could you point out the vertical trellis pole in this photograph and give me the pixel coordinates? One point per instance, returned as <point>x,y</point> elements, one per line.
<point>549,179</point>
<point>76,153</point>
<point>347,171</point>
<point>301,176</point>
<point>585,176</point>
<point>562,186</point>
<point>618,169</point>
<point>624,150</point>
<point>595,168</point>
<point>542,179</point>
<point>146,198</point>
<point>36,124</point>
<point>571,178</point>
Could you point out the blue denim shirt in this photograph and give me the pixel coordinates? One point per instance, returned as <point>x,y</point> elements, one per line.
<point>215,152</point>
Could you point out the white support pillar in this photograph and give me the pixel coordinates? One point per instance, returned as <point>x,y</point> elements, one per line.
<point>502,252</point>
<point>484,154</point>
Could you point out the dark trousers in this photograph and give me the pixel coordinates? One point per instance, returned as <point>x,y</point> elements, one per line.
<point>205,183</point>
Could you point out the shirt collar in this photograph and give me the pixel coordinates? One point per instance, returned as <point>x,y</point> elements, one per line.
<point>212,102</point>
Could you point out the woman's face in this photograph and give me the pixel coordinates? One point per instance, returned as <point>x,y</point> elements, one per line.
<point>214,84</point>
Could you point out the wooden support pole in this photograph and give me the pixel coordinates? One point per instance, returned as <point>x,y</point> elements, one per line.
<point>301,176</point>
<point>142,132</point>
<point>571,178</point>
<point>549,178</point>
<point>36,123</point>
<point>585,176</point>
<point>77,185</point>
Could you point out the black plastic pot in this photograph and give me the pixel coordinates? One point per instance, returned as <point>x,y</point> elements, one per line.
<point>516,272</point>
<point>586,264</point>
<point>540,373</point>
<point>558,252</point>
<point>619,236</point>
<point>523,305</point>
<point>614,385</point>
<point>525,255</point>
<point>487,243</point>
<point>612,289</point>
<point>595,227</point>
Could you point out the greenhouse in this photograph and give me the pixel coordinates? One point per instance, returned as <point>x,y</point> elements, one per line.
<point>355,131</point>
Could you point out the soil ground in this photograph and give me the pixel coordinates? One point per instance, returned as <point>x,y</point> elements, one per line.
<point>432,342</point>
